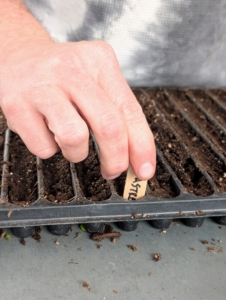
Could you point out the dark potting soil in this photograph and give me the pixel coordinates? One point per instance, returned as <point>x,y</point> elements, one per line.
<point>22,176</point>
<point>198,147</point>
<point>93,186</point>
<point>173,150</point>
<point>210,105</point>
<point>3,127</point>
<point>211,130</point>
<point>57,179</point>
<point>161,184</point>
<point>219,94</point>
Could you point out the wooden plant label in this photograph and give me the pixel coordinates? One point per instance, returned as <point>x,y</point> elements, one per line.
<point>134,187</point>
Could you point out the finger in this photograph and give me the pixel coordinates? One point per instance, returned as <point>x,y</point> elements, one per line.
<point>31,127</point>
<point>107,125</point>
<point>142,152</point>
<point>70,130</point>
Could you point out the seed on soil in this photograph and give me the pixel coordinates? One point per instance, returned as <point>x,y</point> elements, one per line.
<point>115,292</point>
<point>99,246</point>
<point>163,231</point>
<point>191,248</point>
<point>150,273</point>
<point>132,247</point>
<point>57,242</point>
<point>80,249</point>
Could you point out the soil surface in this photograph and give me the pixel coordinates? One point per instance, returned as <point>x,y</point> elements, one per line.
<point>207,126</point>
<point>57,179</point>
<point>161,184</point>
<point>3,127</point>
<point>219,94</point>
<point>210,105</point>
<point>173,150</point>
<point>22,177</point>
<point>198,147</point>
<point>93,186</point>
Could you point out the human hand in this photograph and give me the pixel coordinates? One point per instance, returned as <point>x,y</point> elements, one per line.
<point>52,94</point>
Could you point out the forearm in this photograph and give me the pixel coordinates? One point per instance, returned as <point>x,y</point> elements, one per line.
<point>17,24</point>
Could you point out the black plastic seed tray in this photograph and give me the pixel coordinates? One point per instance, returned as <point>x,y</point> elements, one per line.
<point>197,187</point>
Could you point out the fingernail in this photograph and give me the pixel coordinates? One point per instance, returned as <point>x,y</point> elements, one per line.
<point>113,177</point>
<point>146,171</point>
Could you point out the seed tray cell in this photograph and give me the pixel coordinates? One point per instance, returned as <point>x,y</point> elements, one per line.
<point>190,179</point>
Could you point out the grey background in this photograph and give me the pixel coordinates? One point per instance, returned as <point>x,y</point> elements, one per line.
<point>43,270</point>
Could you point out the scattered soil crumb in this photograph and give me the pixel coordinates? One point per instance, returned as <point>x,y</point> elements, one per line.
<point>57,242</point>
<point>205,242</point>
<point>107,233</point>
<point>191,248</point>
<point>115,292</point>
<point>2,234</point>
<point>157,256</point>
<point>220,241</point>
<point>181,213</point>
<point>150,273</point>
<point>86,285</point>
<point>132,247</point>
<point>113,240</point>
<point>9,213</point>
<point>36,235</point>
<point>100,236</point>
<point>211,249</point>
<point>78,234</point>
<point>220,250</point>
<point>134,216</point>
<point>199,212</point>
<point>99,246</point>
<point>80,249</point>
<point>22,242</point>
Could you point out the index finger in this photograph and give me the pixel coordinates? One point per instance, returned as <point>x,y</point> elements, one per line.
<point>142,151</point>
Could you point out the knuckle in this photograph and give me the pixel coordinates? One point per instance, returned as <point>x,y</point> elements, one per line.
<point>111,127</point>
<point>65,59</point>
<point>9,106</point>
<point>107,54</point>
<point>68,137</point>
<point>132,111</point>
